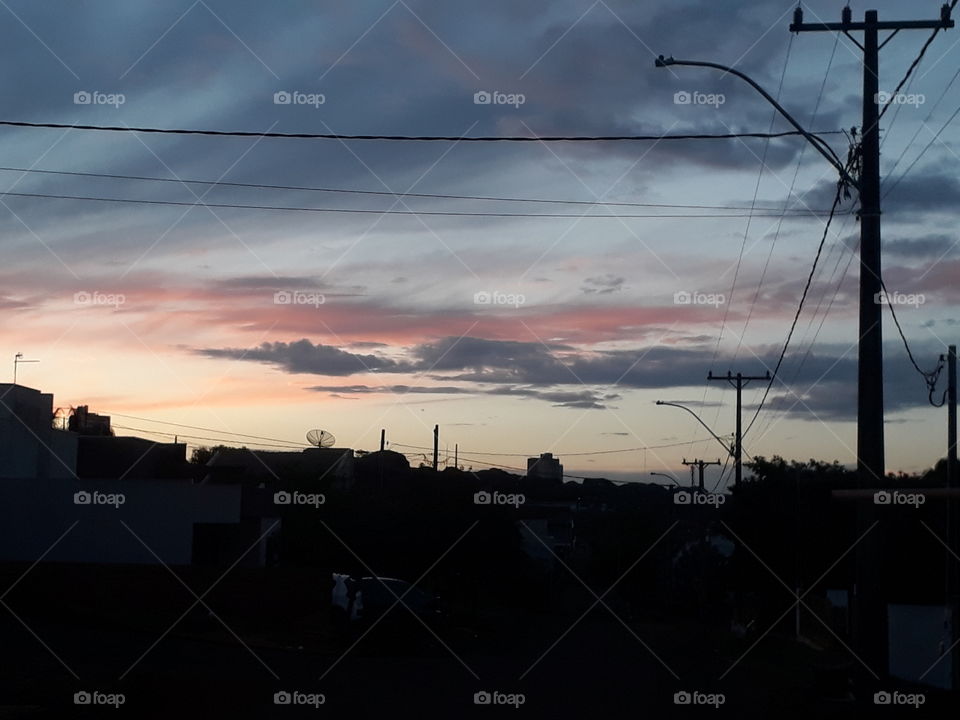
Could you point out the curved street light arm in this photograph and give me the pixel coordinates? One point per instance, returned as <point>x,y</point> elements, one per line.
<point>812,139</point>
<point>697,417</point>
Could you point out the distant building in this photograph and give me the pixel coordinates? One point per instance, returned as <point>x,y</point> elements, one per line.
<point>30,447</point>
<point>545,467</point>
<point>115,499</point>
<point>261,466</point>
<point>84,422</point>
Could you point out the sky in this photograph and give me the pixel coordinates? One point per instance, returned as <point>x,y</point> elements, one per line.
<point>517,335</point>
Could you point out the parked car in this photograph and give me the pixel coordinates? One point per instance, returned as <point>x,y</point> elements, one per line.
<point>357,603</point>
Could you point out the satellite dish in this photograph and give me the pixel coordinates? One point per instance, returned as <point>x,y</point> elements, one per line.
<point>321,438</point>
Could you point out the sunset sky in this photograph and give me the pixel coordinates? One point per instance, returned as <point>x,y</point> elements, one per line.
<point>171,312</point>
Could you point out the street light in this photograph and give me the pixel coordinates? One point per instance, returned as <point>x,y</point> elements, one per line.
<point>819,144</point>
<point>716,437</point>
<point>670,477</point>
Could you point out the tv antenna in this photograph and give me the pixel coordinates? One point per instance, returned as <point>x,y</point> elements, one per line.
<point>17,359</point>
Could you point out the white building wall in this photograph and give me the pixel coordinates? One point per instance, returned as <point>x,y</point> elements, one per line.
<point>35,513</point>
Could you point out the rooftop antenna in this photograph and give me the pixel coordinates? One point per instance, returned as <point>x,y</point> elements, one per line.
<point>17,359</point>
<point>321,438</point>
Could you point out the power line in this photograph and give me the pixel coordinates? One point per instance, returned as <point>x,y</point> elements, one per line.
<point>566,454</point>
<point>931,377</point>
<point>917,60</point>
<point>796,317</point>
<point>363,211</point>
<point>382,193</point>
<point>923,124</point>
<point>923,152</point>
<point>205,429</point>
<point>409,138</point>
<point>197,437</point>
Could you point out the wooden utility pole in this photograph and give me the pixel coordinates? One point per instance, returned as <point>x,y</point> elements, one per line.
<point>739,382</point>
<point>383,439</point>
<point>953,532</point>
<point>436,446</point>
<point>869,609</point>
<point>700,465</point>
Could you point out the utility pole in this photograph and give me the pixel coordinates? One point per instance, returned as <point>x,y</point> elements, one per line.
<point>383,439</point>
<point>870,446</point>
<point>739,382</point>
<point>456,456</point>
<point>700,465</point>
<point>953,575</point>
<point>869,610</point>
<point>436,445</point>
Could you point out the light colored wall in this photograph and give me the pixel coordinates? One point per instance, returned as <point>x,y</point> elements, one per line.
<point>34,513</point>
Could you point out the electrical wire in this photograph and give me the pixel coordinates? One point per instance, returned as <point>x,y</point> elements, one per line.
<point>915,63</point>
<point>931,377</point>
<point>362,211</point>
<point>382,193</point>
<point>409,138</point>
<point>796,317</point>
<point>204,429</point>
<point>198,437</point>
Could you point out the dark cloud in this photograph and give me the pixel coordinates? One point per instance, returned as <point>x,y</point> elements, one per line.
<point>822,384</point>
<point>602,284</point>
<point>303,356</point>
<point>586,399</point>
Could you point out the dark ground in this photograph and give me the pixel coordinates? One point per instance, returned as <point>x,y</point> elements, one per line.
<point>598,669</point>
